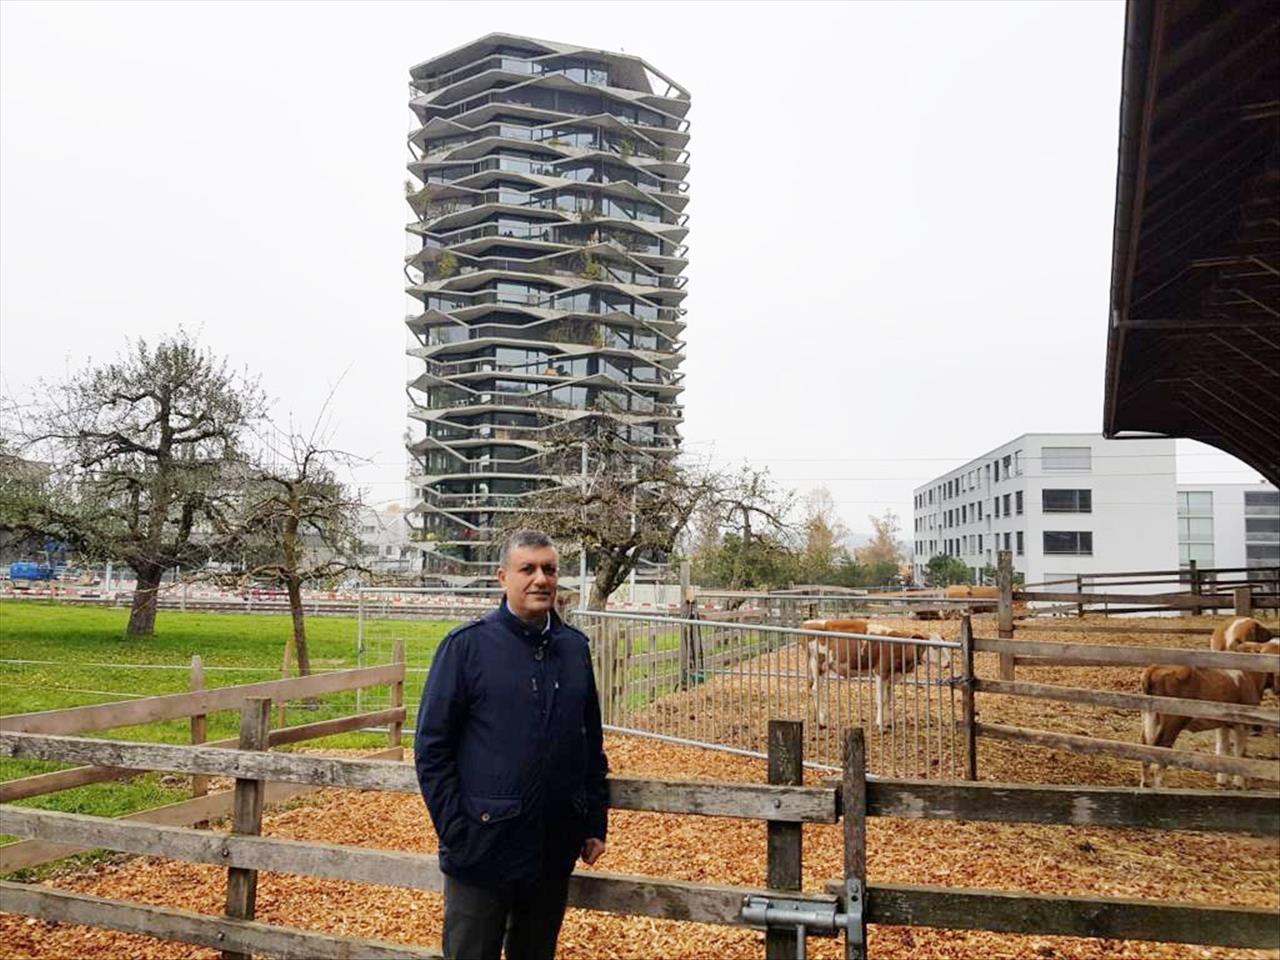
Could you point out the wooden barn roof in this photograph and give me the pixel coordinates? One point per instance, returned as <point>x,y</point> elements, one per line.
<point>1193,346</point>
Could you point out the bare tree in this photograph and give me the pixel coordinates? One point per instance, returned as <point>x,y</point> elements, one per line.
<point>297,524</point>
<point>140,452</point>
<point>628,506</point>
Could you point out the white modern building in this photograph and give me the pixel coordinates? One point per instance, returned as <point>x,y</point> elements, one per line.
<point>1070,503</point>
<point>1229,524</point>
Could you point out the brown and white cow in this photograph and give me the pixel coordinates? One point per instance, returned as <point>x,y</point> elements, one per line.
<point>1239,630</point>
<point>1244,687</point>
<point>882,660</point>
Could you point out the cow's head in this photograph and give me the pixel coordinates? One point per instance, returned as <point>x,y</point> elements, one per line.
<point>1245,630</point>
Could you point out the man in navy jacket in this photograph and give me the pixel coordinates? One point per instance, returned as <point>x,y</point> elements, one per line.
<point>510,757</point>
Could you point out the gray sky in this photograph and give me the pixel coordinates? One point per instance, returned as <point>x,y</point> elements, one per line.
<point>901,213</point>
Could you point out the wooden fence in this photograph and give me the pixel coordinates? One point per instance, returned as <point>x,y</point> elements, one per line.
<point>1190,590</point>
<point>1084,654</point>
<point>196,705</point>
<point>848,905</point>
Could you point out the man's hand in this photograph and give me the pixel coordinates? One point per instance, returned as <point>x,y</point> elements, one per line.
<point>592,850</point>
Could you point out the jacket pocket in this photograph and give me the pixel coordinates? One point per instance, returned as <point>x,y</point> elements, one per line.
<point>487,810</point>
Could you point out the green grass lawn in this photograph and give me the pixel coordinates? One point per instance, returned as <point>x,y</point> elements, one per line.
<point>81,656</point>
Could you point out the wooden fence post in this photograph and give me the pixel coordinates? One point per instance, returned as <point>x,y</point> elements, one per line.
<point>1244,601</point>
<point>1197,587</point>
<point>199,728</point>
<point>242,882</point>
<point>853,793</point>
<point>396,730</point>
<point>785,850</point>
<point>1004,612</point>
<point>1080,596</point>
<point>966,700</point>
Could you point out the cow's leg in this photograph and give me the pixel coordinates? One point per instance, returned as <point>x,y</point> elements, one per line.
<point>816,670</point>
<point>1222,748</point>
<point>1241,732</point>
<point>1150,736</point>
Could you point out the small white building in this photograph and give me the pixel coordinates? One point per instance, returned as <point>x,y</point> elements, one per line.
<point>1070,503</point>
<point>385,545</point>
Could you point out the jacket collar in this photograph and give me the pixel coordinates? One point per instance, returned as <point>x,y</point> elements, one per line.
<point>532,633</point>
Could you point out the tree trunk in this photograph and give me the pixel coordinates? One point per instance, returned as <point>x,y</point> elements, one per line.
<point>142,616</point>
<point>610,573</point>
<point>299,626</point>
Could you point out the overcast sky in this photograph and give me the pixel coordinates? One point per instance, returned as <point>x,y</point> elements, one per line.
<point>900,219</point>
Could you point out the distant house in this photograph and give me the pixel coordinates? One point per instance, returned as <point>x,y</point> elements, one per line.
<point>384,541</point>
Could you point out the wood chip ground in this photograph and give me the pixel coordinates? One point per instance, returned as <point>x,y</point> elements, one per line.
<point>1193,867</point>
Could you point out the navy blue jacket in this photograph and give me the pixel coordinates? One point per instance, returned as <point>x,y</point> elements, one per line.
<point>509,750</point>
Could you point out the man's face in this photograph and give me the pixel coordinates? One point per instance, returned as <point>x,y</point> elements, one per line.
<point>529,579</point>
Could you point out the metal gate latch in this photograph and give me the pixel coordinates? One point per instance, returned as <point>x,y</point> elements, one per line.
<point>819,917</point>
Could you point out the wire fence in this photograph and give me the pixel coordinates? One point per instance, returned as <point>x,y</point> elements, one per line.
<point>717,684</point>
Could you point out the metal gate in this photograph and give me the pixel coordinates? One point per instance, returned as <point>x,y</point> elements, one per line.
<point>717,684</point>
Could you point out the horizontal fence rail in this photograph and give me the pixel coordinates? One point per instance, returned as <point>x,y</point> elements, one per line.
<point>219,933</point>
<point>1096,653</point>
<point>798,804</point>
<point>1056,915</point>
<point>1256,813</point>
<point>1179,706</point>
<point>181,705</point>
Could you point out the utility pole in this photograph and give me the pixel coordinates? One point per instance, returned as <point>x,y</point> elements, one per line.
<point>582,549</point>
<point>635,560</point>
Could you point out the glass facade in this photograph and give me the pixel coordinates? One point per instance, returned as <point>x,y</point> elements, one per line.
<point>545,271</point>
<point>1195,528</point>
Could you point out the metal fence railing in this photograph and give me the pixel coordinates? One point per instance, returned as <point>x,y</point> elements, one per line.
<point>717,684</point>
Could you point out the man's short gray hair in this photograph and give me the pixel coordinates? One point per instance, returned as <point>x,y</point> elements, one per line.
<point>524,538</point>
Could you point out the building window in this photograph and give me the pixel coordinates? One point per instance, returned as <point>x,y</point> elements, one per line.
<point>995,506</point>
<point>1006,504</point>
<point>1019,542</point>
<point>1017,503</point>
<point>1261,528</point>
<point>1261,554</point>
<point>979,543</point>
<point>1007,463</point>
<point>1066,458</point>
<point>1017,463</point>
<point>1066,501</point>
<point>1195,527</point>
<point>996,464</point>
<point>1006,541</point>
<point>979,509</point>
<point>1077,543</point>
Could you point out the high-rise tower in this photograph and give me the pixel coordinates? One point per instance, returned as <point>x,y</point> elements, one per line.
<point>544,260</point>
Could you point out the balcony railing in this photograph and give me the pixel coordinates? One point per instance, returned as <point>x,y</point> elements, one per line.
<point>596,77</point>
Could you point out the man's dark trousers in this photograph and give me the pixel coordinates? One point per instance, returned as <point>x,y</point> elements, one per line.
<point>526,915</point>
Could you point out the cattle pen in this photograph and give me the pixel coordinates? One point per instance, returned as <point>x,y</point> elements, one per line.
<point>789,915</point>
